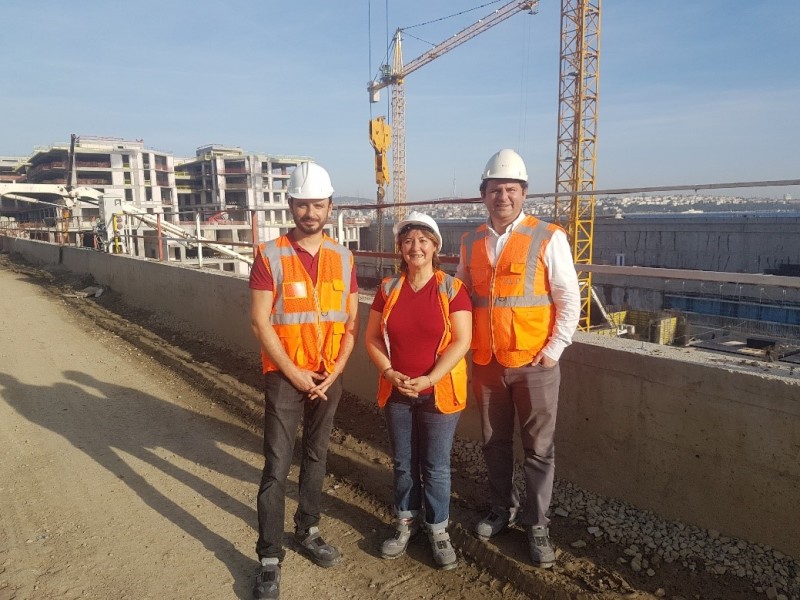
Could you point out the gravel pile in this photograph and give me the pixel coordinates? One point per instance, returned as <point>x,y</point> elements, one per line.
<point>648,540</point>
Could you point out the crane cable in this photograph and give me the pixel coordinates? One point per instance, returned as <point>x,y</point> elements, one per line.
<point>524,89</point>
<point>386,18</point>
<point>369,48</point>
<point>463,12</point>
<point>526,64</point>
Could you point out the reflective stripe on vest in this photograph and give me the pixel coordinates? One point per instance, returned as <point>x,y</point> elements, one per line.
<point>450,393</point>
<point>511,316</point>
<point>391,291</point>
<point>469,239</point>
<point>273,255</point>
<point>307,323</point>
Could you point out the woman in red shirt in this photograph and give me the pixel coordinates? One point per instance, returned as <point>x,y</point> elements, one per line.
<point>419,330</point>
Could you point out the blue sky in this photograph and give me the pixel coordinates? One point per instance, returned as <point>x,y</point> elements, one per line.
<point>690,92</point>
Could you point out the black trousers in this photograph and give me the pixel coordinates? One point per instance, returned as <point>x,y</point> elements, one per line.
<point>285,407</point>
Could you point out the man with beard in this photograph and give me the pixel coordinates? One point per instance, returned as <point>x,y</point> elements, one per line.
<point>304,313</point>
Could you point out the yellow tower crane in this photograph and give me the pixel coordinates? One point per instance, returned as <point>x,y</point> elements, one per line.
<point>394,75</point>
<point>576,160</point>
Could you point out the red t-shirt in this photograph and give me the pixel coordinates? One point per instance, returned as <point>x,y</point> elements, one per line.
<point>261,278</point>
<point>416,326</point>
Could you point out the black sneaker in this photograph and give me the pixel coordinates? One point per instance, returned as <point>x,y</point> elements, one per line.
<point>268,580</point>
<point>318,550</point>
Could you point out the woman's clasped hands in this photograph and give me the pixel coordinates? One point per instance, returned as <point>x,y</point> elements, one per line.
<point>409,386</point>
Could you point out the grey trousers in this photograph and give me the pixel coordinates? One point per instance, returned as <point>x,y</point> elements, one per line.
<point>531,395</point>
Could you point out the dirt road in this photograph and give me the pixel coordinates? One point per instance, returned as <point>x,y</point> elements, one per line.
<point>130,457</point>
<point>119,480</point>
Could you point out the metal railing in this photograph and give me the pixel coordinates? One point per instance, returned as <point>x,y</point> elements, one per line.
<point>674,284</point>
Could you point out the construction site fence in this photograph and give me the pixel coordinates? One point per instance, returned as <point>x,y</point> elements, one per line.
<point>48,225</point>
<point>763,296</point>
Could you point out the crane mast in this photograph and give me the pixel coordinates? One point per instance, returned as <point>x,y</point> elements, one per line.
<point>395,74</point>
<point>399,124</point>
<point>576,160</point>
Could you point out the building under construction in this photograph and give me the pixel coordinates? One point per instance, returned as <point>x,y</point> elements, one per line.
<point>223,195</point>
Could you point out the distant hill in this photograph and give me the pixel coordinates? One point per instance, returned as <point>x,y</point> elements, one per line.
<point>349,200</point>
<point>346,200</point>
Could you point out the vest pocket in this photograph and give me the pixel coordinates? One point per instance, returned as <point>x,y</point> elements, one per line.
<point>292,343</point>
<point>337,332</point>
<point>458,376</point>
<point>295,289</point>
<point>332,295</point>
<point>528,331</point>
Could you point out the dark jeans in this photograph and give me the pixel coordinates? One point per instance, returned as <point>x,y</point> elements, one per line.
<point>532,393</point>
<point>421,439</point>
<point>284,408</point>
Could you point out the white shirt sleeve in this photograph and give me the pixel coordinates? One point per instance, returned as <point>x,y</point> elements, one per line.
<point>565,292</point>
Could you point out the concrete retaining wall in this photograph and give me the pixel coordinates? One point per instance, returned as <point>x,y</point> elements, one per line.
<point>35,252</point>
<point>647,293</point>
<point>210,303</point>
<point>673,431</point>
<point>665,429</point>
<point>739,243</point>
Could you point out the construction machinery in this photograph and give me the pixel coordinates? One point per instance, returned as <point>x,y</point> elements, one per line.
<point>576,160</point>
<point>112,213</point>
<point>577,121</point>
<point>113,210</point>
<point>380,136</point>
<point>394,75</point>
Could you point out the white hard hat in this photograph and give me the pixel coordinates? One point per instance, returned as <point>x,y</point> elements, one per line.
<point>505,164</point>
<point>418,218</point>
<point>309,181</point>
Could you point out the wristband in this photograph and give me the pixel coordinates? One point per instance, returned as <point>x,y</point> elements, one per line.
<point>386,370</point>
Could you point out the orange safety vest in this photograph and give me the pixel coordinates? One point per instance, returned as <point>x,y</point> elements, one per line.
<point>512,309</point>
<point>309,320</point>
<point>450,394</point>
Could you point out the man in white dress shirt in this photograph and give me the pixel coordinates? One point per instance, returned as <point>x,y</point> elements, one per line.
<point>526,306</point>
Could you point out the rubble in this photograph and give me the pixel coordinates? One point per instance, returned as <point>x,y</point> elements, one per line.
<point>652,539</point>
<point>648,540</point>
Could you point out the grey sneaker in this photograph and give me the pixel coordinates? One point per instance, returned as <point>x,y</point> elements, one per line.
<point>495,522</point>
<point>404,532</point>
<point>443,553</point>
<point>318,550</point>
<point>542,553</point>
<point>268,580</point>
